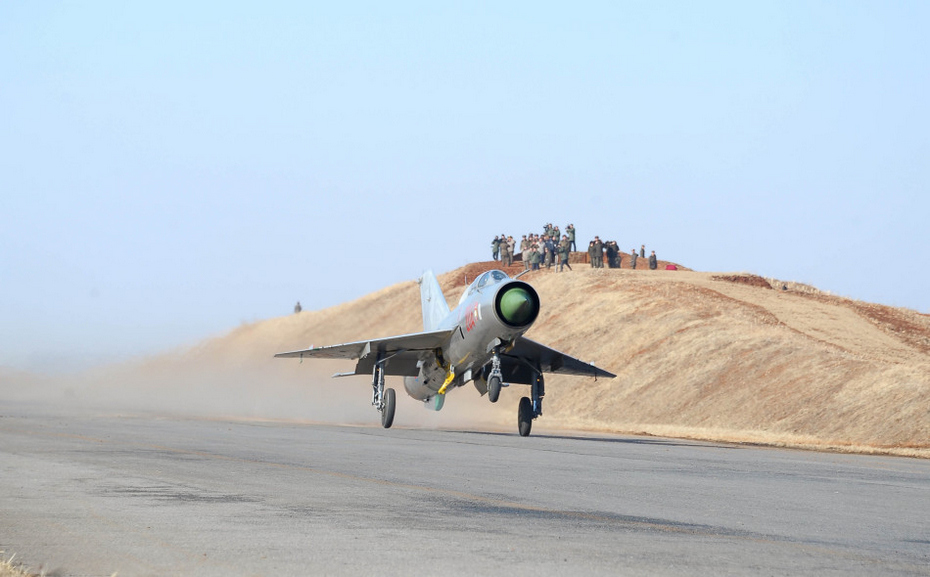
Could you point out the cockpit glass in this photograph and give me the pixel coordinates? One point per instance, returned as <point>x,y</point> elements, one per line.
<point>490,277</point>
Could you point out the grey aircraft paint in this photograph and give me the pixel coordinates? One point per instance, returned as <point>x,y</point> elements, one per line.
<point>479,341</point>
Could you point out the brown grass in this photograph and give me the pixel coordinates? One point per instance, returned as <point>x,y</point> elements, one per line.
<point>10,569</point>
<point>746,279</point>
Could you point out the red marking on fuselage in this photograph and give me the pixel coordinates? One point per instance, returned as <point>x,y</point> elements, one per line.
<point>472,316</point>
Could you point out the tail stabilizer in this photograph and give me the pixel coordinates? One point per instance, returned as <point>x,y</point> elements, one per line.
<point>435,307</point>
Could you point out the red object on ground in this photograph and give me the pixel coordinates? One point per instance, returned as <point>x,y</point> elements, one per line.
<point>671,267</point>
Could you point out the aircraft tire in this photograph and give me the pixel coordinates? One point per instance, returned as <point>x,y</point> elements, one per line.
<point>525,416</point>
<point>494,388</point>
<point>387,413</point>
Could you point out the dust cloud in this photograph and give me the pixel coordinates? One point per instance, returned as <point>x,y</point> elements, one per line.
<point>282,389</point>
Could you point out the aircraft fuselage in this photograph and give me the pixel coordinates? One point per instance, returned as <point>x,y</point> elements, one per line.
<point>493,312</point>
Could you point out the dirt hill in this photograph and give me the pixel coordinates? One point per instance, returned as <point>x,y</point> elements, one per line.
<point>729,357</point>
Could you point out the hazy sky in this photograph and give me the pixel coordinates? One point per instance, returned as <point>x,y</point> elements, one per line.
<point>170,170</point>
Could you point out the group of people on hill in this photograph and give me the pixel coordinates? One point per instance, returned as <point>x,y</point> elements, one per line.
<point>597,250</point>
<point>553,247</point>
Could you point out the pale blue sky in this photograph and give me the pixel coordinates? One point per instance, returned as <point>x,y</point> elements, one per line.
<point>170,170</point>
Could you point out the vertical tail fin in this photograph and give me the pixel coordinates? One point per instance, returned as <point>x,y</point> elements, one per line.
<point>435,308</point>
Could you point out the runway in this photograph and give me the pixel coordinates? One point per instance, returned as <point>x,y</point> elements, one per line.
<point>87,493</point>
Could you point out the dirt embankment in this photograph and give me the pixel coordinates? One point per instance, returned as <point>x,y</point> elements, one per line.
<point>697,355</point>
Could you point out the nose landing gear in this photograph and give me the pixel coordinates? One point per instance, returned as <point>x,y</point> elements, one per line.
<point>494,379</point>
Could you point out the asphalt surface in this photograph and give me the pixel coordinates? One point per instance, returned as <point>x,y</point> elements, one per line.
<point>97,493</point>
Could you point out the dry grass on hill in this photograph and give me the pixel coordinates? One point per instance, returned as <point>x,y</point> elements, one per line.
<point>10,569</point>
<point>697,355</point>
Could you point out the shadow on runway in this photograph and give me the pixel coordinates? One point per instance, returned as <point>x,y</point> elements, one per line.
<point>657,441</point>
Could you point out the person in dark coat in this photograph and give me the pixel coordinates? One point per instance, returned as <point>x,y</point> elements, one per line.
<point>598,252</point>
<point>550,252</point>
<point>613,254</point>
<point>633,256</point>
<point>653,261</point>
<point>495,247</point>
<point>642,251</point>
<point>564,249</point>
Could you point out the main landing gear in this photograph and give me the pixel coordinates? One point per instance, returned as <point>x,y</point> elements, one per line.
<point>530,409</point>
<point>381,398</point>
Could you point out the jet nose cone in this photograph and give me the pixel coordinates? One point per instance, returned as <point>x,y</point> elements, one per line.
<point>517,306</point>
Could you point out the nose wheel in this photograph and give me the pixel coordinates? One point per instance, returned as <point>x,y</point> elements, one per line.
<point>495,379</point>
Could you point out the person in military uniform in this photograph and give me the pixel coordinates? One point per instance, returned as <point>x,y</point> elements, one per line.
<point>598,252</point>
<point>642,251</point>
<point>534,257</point>
<point>591,254</point>
<point>633,259</point>
<point>495,247</point>
<point>298,308</point>
<point>564,247</point>
<point>611,249</point>
<point>511,246</point>
<point>505,251</point>
<point>653,261</point>
<point>570,231</point>
<point>524,246</point>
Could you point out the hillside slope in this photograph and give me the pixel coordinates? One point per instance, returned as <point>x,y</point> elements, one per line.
<point>697,355</point>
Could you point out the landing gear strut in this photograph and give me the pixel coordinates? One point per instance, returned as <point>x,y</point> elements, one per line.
<point>381,398</point>
<point>494,379</point>
<point>530,409</point>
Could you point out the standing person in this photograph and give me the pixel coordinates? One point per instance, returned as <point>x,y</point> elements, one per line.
<point>653,261</point>
<point>591,253</point>
<point>534,257</point>
<point>598,251</point>
<point>524,246</point>
<point>512,245</point>
<point>505,251</point>
<point>633,259</point>
<point>570,231</point>
<point>298,308</point>
<point>495,247</point>
<point>611,249</point>
<point>642,251</point>
<point>564,247</point>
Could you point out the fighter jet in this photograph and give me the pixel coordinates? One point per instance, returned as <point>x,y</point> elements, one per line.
<point>480,341</point>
